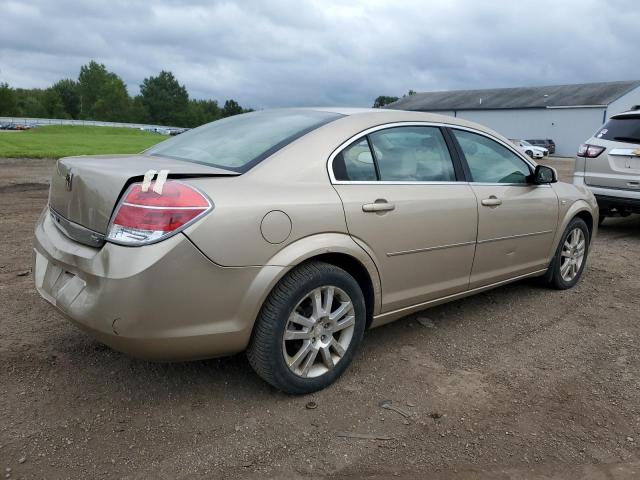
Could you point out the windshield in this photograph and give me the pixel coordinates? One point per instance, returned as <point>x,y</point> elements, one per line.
<point>238,143</point>
<point>621,129</point>
<point>524,142</point>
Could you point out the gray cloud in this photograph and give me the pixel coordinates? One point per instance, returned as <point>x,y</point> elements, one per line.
<point>322,52</point>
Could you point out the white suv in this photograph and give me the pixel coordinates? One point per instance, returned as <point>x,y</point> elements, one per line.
<point>609,164</point>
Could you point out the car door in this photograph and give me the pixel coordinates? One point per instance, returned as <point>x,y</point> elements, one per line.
<point>403,200</point>
<point>516,219</point>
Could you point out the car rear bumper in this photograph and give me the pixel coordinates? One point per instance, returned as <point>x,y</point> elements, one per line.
<point>612,198</point>
<point>608,203</point>
<point>165,301</point>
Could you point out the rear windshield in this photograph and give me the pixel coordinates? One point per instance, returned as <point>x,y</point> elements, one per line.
<point>238,143</point>
<point>625,129</point>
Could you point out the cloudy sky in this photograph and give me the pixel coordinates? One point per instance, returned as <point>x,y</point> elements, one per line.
<point>268,53</point>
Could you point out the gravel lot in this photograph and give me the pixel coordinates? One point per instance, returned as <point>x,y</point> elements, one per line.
<point>520,382</point>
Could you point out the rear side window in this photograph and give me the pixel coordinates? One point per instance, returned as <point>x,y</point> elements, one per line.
<point>402,154</point>
<point>490,162</point>
<point>355,163</point>
<point>622,129</point>
<point>412,154</point>
<point>238,143</point>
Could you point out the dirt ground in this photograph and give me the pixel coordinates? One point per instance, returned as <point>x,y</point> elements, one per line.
<point>520,382</point>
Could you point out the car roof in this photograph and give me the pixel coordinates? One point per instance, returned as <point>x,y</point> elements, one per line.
<point>388,115</point>
<point>630,113</point>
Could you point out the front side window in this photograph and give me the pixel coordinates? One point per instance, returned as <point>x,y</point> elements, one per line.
<point>490,162</point>
<point>237,143</point>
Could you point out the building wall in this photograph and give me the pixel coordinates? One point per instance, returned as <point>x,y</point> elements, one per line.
<point>624,103</point>
<point>568,127</point>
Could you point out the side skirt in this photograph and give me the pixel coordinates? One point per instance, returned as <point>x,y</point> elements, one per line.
<point>388,317</point>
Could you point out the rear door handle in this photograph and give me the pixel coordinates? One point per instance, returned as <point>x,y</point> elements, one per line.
<point>378,206</point>
<point>492,201</point>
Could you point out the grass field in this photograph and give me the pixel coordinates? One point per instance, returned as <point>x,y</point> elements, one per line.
<point>57,141</point>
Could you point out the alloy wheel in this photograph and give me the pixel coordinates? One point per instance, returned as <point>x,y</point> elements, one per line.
<point>572,255</point>
<point>318,332</point>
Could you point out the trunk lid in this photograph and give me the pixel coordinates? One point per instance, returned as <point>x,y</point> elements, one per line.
<point>85,190</point>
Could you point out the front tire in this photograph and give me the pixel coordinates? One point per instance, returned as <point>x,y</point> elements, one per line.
<point>571,256</point>
<point>530,153</point>
<point>308,329</point>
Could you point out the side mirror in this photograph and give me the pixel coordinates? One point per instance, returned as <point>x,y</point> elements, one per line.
<point>543,175</point>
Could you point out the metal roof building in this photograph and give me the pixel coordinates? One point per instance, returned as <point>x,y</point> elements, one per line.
<point>568,114</point>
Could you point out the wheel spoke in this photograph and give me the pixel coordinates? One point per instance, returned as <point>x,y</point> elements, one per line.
<point>317,303</point>
<point>308,363</point>
<point>328,299</point>
<point>300,320</point>
<point>340,312</point>
<point>564,269</point>
<point>566,253</point>
<point>296,335</point>
<point>347,322</point>
<point>299,356</point>
<point>574,237</point>
<point>337,347</point>
<point>327,358</point>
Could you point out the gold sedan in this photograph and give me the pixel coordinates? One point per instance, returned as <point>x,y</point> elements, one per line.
<point>287,233</point>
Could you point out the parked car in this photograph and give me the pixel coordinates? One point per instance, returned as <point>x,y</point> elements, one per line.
<point>609,164</point>
<point>547,143</point>
<point>287,233</point>
<point>531,150</point>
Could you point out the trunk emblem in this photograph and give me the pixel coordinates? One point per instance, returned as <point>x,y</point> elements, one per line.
<point>68,180</point>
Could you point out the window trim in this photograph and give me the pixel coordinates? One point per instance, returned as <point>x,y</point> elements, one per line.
<point>455,155</point>
<point>467,170</point>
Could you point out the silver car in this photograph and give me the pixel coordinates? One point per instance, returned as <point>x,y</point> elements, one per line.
<point>609,165</point>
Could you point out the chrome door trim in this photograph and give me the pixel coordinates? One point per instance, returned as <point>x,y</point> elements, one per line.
<point>489,240</point>
<point>430,249</point>
<point>385,126</point>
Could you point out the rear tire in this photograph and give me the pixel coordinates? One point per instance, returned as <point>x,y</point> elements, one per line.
<point>308,329</point>
<point>571,256</point>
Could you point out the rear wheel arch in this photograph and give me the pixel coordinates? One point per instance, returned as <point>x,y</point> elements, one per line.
<point>358,271</point>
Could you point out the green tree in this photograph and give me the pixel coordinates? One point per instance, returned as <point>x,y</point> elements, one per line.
<point>231,107</point>
<point>8,105</point>
<point>69,95</point>
<point>52,103</point>
<point>383,100</point>
<point>91,81</point>
<point>165,99</point>
<point>139,113</point>
<point>32,107</point>
<point>113,104</point>
<point>201,112</point>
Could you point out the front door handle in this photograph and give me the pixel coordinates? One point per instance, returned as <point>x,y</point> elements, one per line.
<point>378,206</point>
<point>492,201</point>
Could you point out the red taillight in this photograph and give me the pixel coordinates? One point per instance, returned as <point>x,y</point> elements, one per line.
<point>590,151</point>
<point>146,217</point>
